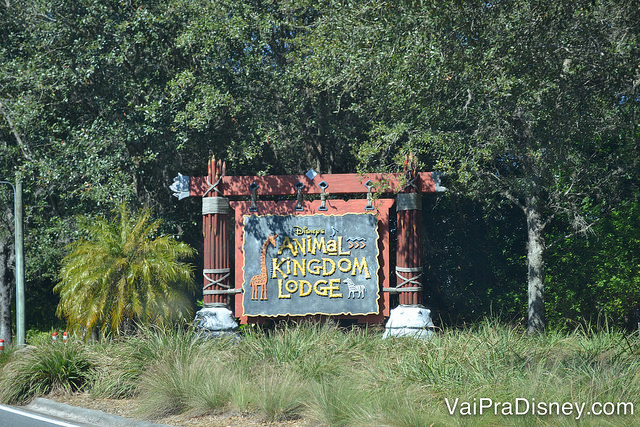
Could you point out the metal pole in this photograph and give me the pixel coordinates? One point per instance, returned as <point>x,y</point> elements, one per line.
<point>19,249</point>
<point>20,307</point>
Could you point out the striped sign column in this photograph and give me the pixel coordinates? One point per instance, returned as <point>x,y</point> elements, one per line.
<point>409,250</point>
<point>215,219</point>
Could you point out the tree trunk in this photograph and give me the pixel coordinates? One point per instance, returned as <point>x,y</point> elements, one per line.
<point>535,266</point>
<point>5,292</point>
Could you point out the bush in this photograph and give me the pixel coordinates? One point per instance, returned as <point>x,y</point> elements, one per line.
<point>36,371</point>
<point>128,359</point>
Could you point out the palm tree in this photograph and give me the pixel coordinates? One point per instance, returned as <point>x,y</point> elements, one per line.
<point>124,273</point>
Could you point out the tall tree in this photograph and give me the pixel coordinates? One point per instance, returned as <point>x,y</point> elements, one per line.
<point>243,87</point>
<point>529,101</point>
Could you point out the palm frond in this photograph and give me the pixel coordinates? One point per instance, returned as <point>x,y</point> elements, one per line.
<point>124,272</point>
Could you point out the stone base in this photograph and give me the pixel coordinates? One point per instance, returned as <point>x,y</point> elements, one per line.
<point>409,321</point>
<point>216,322</point>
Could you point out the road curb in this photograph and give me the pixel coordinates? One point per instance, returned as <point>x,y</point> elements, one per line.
<point>84,415</point>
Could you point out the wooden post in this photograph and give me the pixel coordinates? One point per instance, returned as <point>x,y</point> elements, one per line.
<point>409,232</point>
<point>215,213</point>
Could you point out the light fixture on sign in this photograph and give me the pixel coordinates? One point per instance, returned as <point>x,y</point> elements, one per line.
<point>311,174</point>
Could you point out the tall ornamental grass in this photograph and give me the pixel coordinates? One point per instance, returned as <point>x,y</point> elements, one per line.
<point>37,371</point>
<point>124,361</point>
<point>337,377</point>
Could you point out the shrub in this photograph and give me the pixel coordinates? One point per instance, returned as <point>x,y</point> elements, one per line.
<point>127,359</point>
<point>178,383</point>
<point>36,371</point>
<point>124,272</point>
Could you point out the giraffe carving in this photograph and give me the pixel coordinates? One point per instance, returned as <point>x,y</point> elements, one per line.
<point>260,280</point>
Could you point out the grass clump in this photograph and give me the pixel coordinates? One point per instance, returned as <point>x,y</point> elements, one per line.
<point>280,395</point>
<point>242,391</point>
<point>177,371</point>
<point>36,371</point>
<point>124,361</point>
<point>175,385</point>
<point>341,402</point>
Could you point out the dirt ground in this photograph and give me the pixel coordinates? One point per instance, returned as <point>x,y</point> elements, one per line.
<point>127,408</point>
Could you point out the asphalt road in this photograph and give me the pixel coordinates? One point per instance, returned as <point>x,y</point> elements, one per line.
<point>18,417</point>
<point>48,413</point>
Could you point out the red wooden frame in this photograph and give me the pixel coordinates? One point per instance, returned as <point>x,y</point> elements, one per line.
<point>217,244</point>
<point>280,185</point>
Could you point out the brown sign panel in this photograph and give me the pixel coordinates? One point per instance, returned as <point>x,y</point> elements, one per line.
<point>310,264</point>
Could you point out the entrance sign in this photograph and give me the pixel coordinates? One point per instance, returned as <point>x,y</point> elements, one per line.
<point>315,255</point>
<point>296,265</point>
<point>348,228</point>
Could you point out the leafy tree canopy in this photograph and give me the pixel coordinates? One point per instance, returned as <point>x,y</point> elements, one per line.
<point>534,103</point>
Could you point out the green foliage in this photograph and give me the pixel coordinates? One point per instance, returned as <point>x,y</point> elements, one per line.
<point>280,395</point>
<point>598,276</point>
<point>36,371</point>
<point>375,378</point>
<point>507,98</point>
<point>39,338</point>
<point>171,370</point>
<point>175,385</point>
<point>475,260</point>
<point>306,348</point>
<point>151,343</point>
<point>104,101</point>
<point>341,402</point>
<point>124,272</point>
<point>125,362</point>
<point>6,355</point>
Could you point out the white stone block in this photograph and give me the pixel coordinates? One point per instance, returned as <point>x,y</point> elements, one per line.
<point>409,321</point>
<point>216,321</point>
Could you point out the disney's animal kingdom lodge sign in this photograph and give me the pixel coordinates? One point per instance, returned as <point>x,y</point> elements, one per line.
<point>294,259</point>
<point>323,256</point>
<point>310,264</point>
